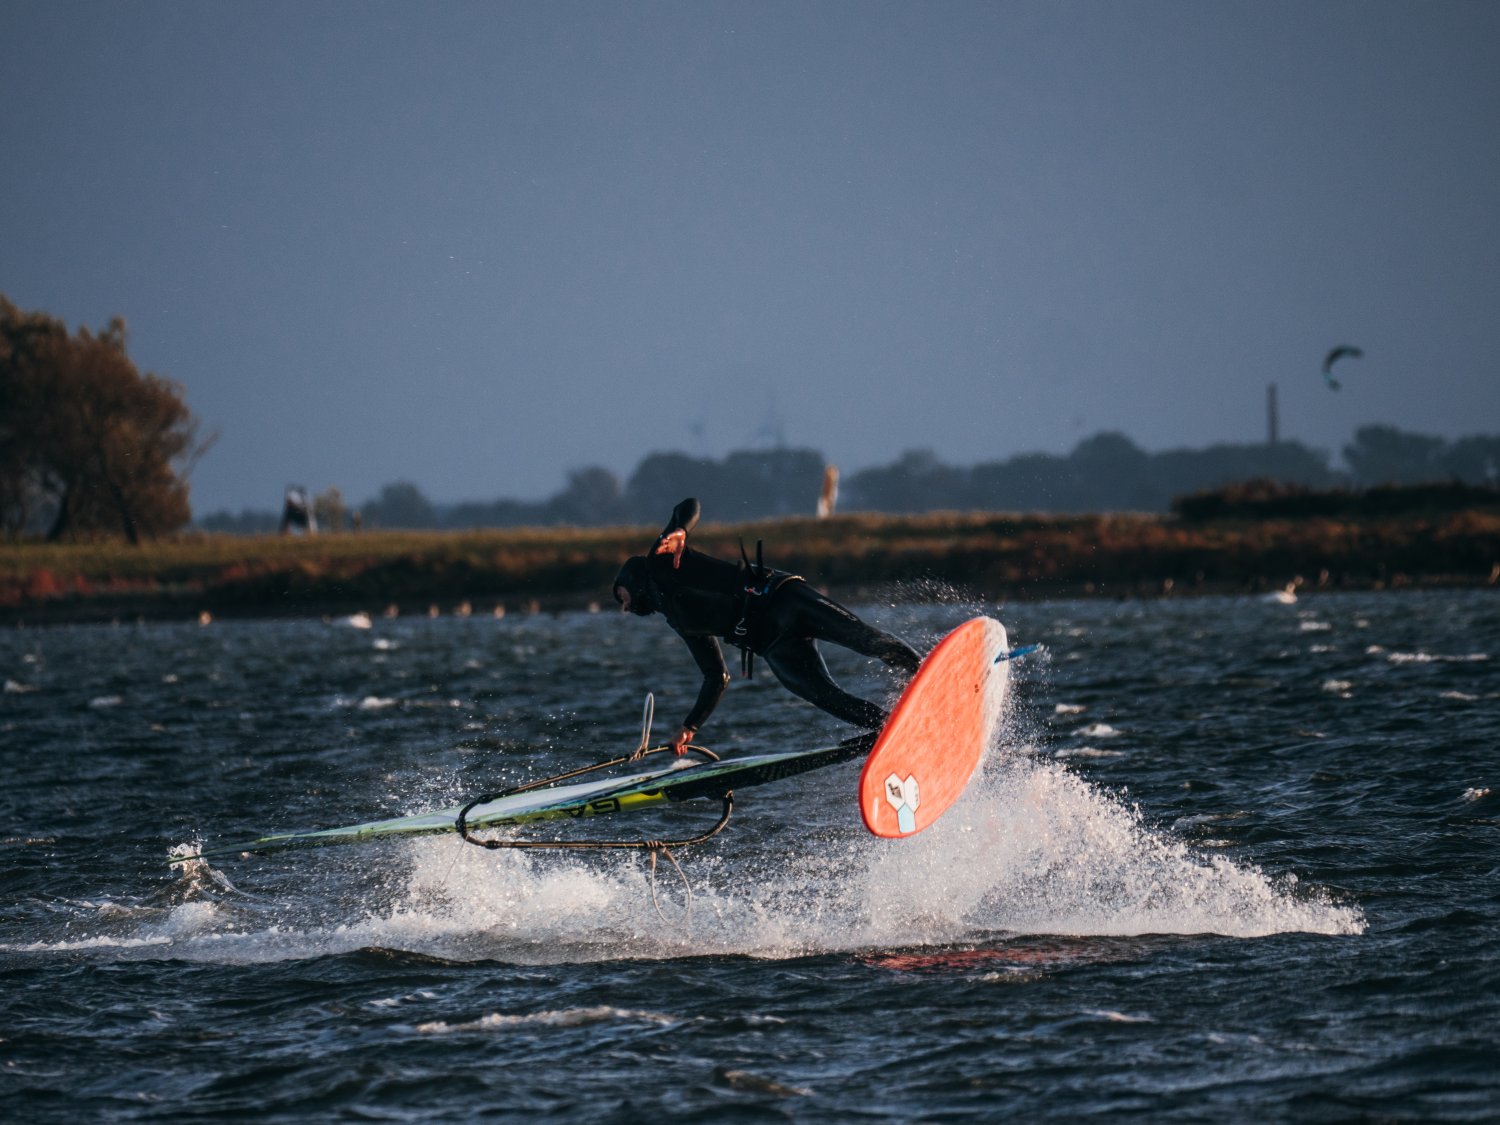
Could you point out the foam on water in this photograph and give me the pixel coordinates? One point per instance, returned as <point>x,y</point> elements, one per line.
<point>1031,848</point>
<point>1436,658</point>
<point>1097,730</point>
<point>565,1017</point>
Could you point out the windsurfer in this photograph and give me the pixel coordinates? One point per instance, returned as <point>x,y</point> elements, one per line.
<point>764,612</point>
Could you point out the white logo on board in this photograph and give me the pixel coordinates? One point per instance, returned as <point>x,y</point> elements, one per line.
<point>904,797</point>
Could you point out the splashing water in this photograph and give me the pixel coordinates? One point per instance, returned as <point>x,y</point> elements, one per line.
<point>1031,849</point>
<point>1043,852</point>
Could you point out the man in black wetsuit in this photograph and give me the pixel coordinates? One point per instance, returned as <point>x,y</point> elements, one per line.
<point>772,614</point>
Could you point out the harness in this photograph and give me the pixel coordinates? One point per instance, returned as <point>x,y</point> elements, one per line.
<point>759,583</point>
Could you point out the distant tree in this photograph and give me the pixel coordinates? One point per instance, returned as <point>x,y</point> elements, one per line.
<point>85,436</point>
<point>1182,471</point>
<point>593,496</point>
<point>1473,459</point>
<point>754,484</point>
<point>248,521</point>
<point>915,482</point>
<point>746,485</point>
<point>662,479</point>
<point>400,505</point>
<point>1386,455</point>
<point>1027,482</point>
<point>1107,471</point>
<point>26,340</point>
<point>493,513</point>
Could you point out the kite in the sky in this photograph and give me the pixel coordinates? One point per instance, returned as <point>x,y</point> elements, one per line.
<point>1333,357</point>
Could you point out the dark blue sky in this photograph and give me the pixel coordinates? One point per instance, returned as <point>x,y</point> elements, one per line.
<point>474,245</point>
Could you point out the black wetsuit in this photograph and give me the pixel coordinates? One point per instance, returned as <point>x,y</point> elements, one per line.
<point>779,618</point>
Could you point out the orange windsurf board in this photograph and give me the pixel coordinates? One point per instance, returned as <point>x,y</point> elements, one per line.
<point>937,732</point>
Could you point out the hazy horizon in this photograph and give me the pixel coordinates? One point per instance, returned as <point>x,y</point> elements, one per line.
<point>474,246</point>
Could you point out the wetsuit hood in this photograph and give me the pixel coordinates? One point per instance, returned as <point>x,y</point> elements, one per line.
<point>635,576</point>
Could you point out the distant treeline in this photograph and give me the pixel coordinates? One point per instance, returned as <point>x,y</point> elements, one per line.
<point>1105,473</point>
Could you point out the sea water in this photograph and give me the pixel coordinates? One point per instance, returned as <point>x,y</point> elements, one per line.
<point>1228,858</point>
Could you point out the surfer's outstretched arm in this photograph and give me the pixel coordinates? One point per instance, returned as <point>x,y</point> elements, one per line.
<point>710,660</point>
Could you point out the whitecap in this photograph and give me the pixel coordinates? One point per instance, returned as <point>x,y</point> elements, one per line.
<point>562,1017</point>
<point>84,944</point>
<point>1435,658</point>
<point>417,997</point>
<point>1338,687</point>
<point>359,620</point>
<point>1098,730</point>
<point>116,910</point>
<point>1200,819</point>
<point>106,701</point>
<point>1069,709</point>
<point>14,687</point>
<point>368,703</point>
<point>200,920</point>
<point>1476,793</point>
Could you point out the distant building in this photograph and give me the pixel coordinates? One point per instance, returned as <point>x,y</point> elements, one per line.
<point>297,512</point>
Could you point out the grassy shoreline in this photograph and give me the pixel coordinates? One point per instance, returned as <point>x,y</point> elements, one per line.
<point>993,556</point>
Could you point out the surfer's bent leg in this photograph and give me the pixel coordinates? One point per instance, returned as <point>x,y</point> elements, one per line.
<point>810,614</point>
<point>799,666</point>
